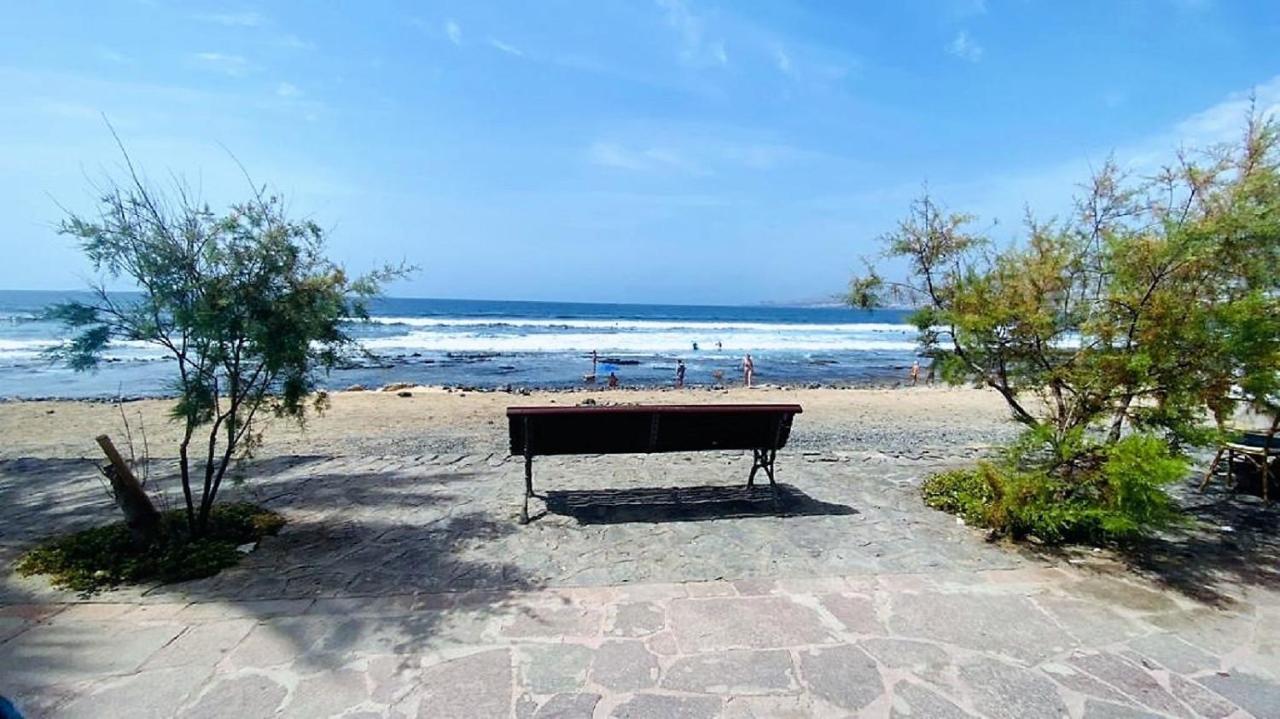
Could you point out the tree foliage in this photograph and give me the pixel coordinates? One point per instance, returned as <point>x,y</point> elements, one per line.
<point>1156,299</point>
<point>245,302</point>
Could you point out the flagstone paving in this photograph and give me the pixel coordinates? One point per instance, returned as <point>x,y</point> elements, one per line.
<point>402,587</point>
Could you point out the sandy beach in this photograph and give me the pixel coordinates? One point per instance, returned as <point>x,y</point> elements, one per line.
<point>439,420</point>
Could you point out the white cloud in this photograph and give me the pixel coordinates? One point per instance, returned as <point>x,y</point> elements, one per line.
<point>293,42</point>
<point>964,47</point>
<point>610,154</point>
<point>454,31</point>
<point>288,90</point>
<point>968,8</point>
<point>695,49</point>
<point>113,56</point>
<point>233,65</point>
<point>782,60</point>
<point>1224,122</point>
<point>505,47</point>
<point>234,19</point>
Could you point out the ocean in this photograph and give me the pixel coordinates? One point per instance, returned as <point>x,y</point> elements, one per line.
<point>495,344</point>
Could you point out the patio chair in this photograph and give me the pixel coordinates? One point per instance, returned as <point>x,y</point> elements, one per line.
<point>1258,447</point>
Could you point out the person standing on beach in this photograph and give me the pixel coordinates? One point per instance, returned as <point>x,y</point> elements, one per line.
<point>748,371</point>
<point>679,374</point>
<point>915,373</point>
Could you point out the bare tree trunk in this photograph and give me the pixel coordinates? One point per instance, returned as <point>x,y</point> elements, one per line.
<point>1117,421</point>
<point>184,467</point>
<point>139,514</point>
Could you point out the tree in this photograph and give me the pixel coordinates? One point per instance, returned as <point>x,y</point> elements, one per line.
<point>245,302</point>
<point>1154,300</point>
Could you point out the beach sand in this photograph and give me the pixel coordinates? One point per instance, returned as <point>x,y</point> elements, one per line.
<point>439,420</point>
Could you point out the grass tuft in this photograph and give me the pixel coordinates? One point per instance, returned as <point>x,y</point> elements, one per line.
<point>95,559</point>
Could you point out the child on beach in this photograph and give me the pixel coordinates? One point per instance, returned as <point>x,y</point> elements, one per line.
<point>679,374</point>
<point>748,371</point>
<point>613,380</point>
<point>915,373</point>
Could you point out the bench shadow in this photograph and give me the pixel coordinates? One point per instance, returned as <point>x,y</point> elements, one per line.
<point>686,504</point>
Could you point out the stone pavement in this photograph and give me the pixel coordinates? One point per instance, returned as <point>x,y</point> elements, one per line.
<point>402,587</point>
<point>1019,643</point>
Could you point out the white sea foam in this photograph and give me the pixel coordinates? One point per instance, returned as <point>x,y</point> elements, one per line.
<point>25,350</point>
<point>636,342</point>
<point>523,336</point>
<point>702,326</point>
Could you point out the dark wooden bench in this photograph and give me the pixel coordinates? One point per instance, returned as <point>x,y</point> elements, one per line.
<point>632,429</point>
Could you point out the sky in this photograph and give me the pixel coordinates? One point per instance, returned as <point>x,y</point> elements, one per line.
<point>676,151</point>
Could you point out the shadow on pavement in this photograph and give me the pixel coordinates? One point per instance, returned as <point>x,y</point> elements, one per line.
<point>686,504</point>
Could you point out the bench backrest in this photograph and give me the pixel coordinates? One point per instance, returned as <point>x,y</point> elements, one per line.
<point>649,428</point>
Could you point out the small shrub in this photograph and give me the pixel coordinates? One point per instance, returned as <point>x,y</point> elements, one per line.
<point>95,559</point>
<point>1095,494</point>
<point>966,493</point>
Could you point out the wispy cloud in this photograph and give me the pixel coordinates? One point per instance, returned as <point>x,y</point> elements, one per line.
<point>248,18</point>
<point>505,47</point>
<point>233,65</point>
<point>782,60</point>
<point>695,48</point>
<point>699,152</point>
<point>293,42</point>
<point>968,8</point>
<point>288,90</point>
<point>964,47</point>
<point>611,154</point>
<point>114,56</point>
<point>453,31</point>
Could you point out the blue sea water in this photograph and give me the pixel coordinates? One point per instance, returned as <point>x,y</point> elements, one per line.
<point>522,344</point>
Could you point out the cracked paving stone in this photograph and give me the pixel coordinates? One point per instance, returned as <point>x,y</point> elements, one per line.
<point>554,622</point>
<point>1254,694</point>
<point>554,668</point>
<point>1174,654</point>
<point>624,666</point>
<point>766,622</point>
<point>568,706</point>
<point>1201,700</point>
<point>738,672</point>
<point>157,693</point>
<point>927,661</point>
<point>662,706</point>
<point>918,702</point>
<point>1094,709</point>
<point>857,614</point>
<point>478,685</point>
<point>636,619</point>
<point>1003,691</point>
<point>327,694</point>
<point>1077,680</point>
<point>1130,679</point>
<point>252,695</point>
<point>1011,625</point>
<point>845,676</point>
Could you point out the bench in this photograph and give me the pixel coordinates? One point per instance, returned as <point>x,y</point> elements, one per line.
<point>643,429</point>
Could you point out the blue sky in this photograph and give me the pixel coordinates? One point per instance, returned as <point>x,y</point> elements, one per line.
<point>673,151</point>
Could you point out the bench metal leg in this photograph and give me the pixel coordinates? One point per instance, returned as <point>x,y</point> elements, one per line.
<point>528,488</point>
<point>1212,466</point>
<point>764,459</point>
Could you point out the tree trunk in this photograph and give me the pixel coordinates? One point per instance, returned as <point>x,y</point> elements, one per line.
<point>140,514</point>
<point>1117,419</point>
